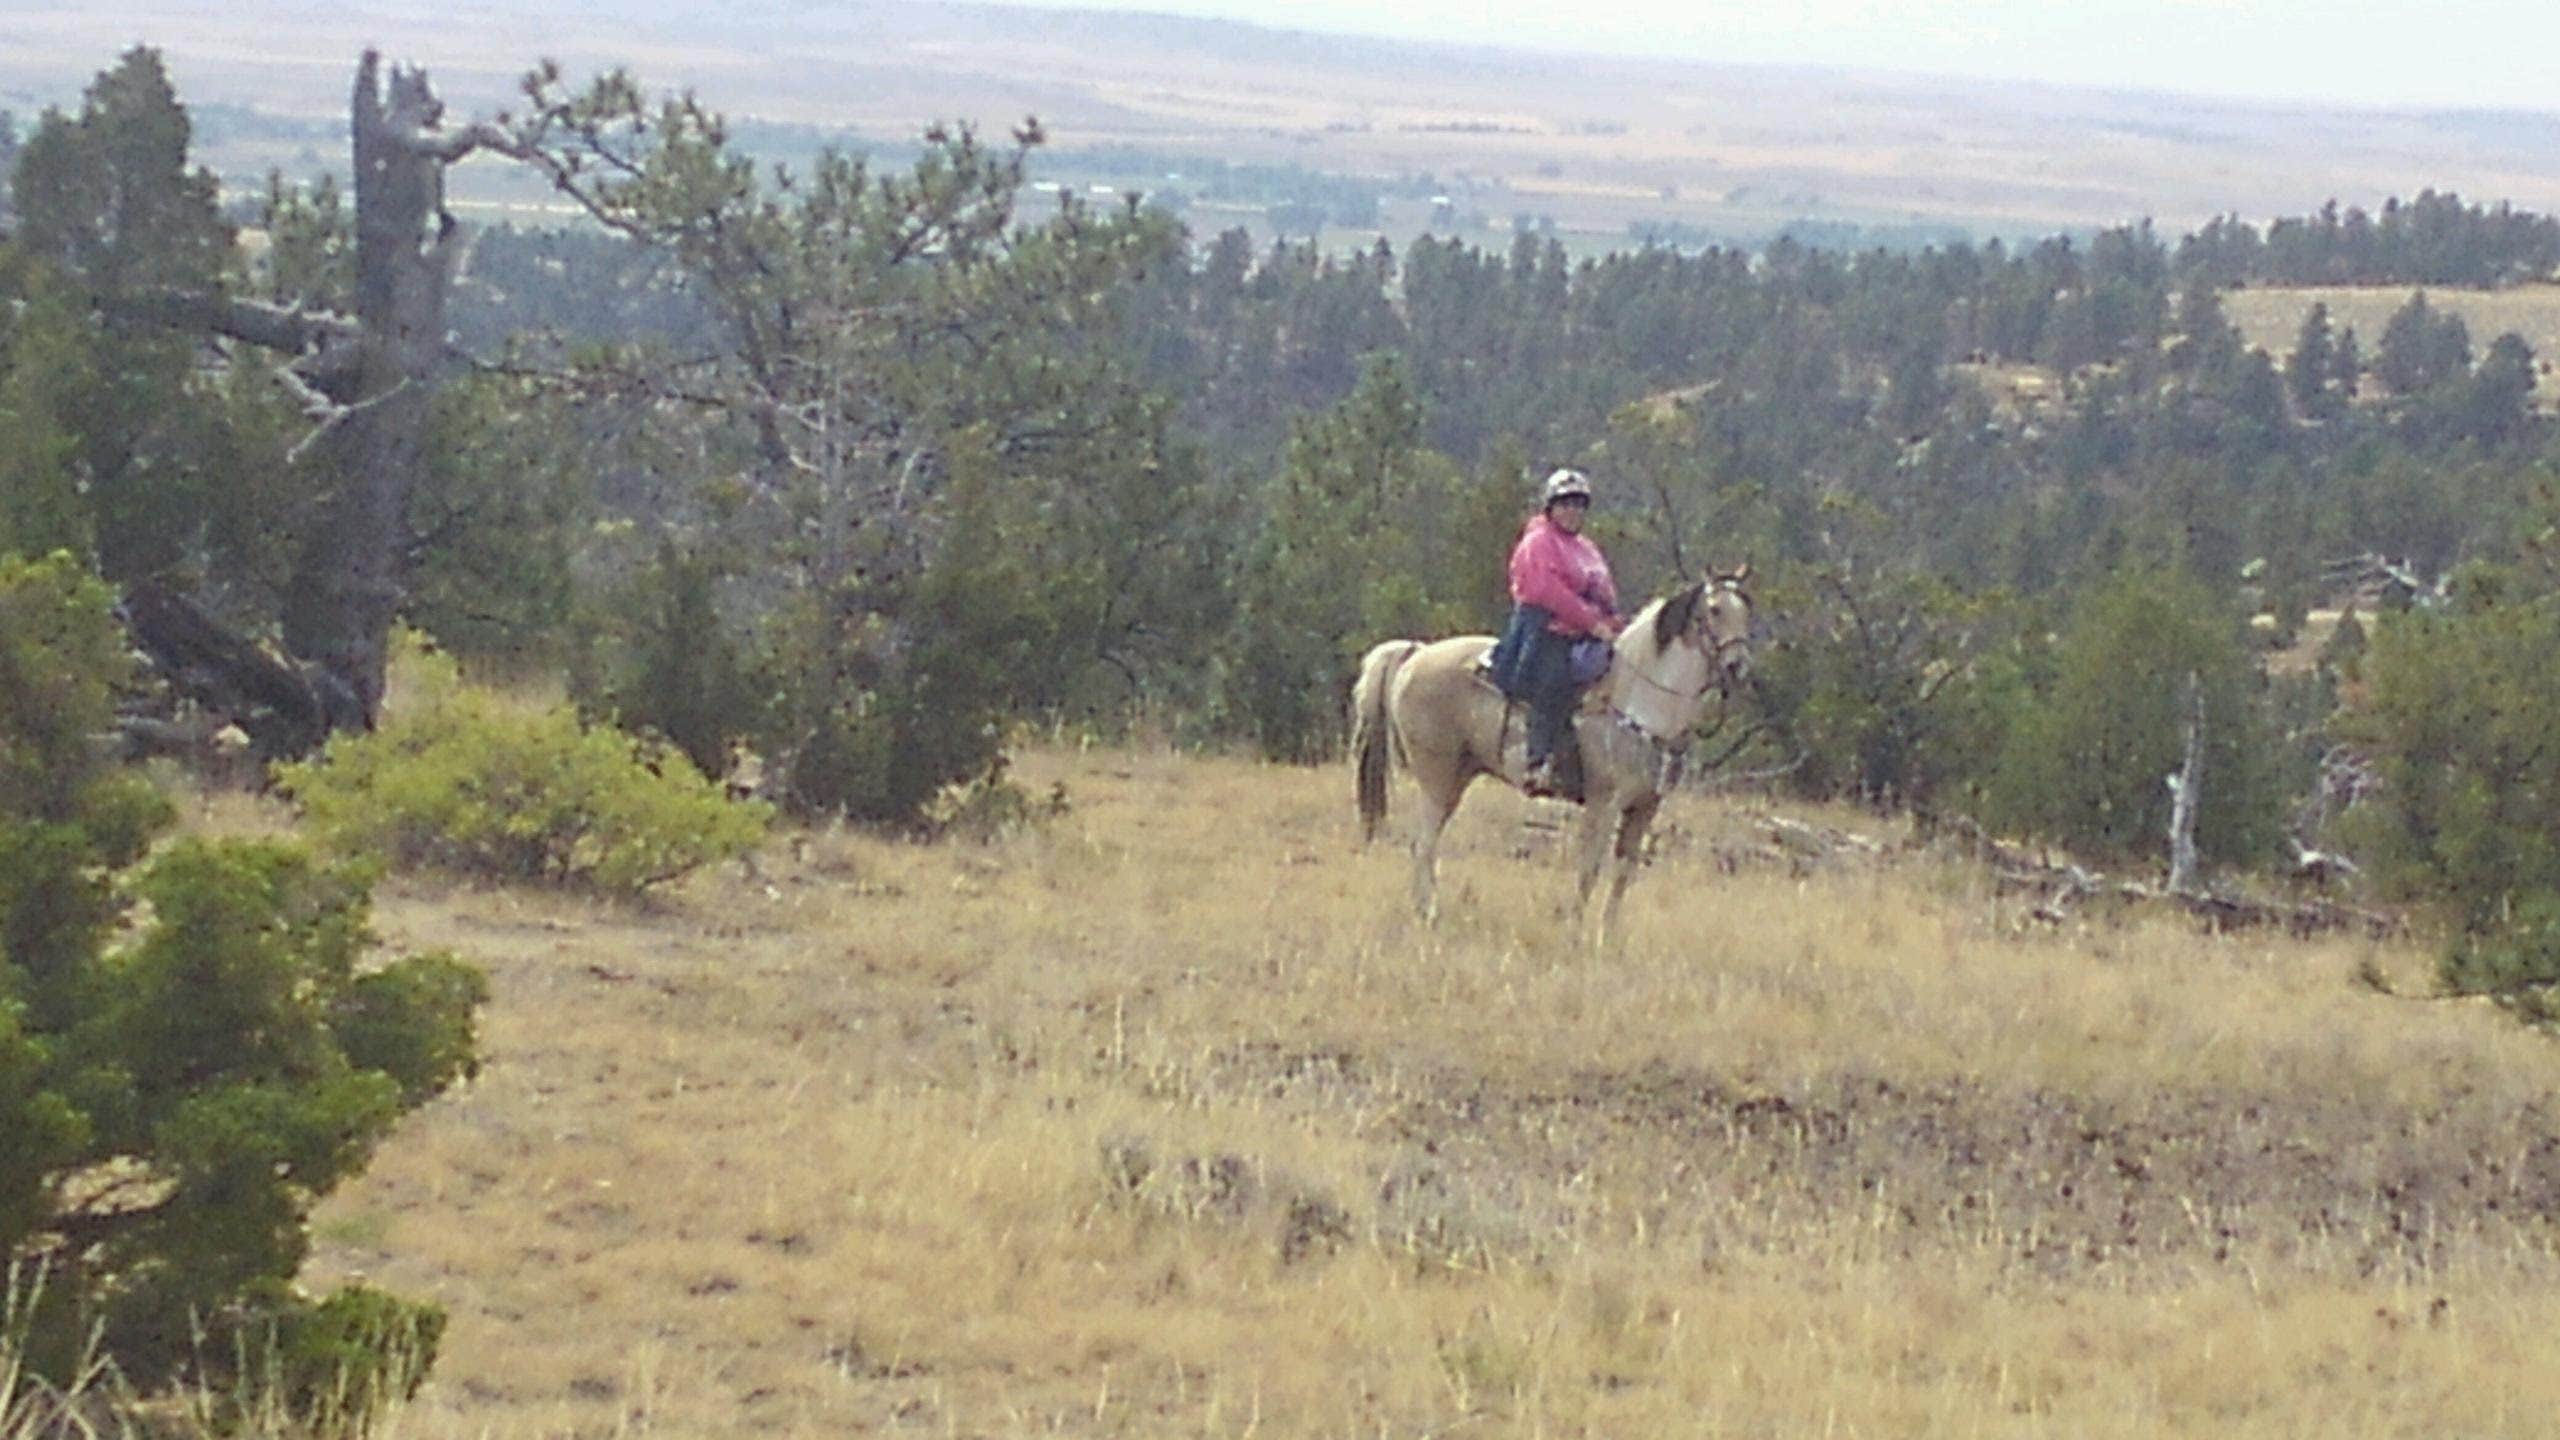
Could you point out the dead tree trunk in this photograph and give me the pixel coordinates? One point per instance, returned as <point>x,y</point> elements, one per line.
<point>2187,788</point>
<point>380,383</point>
<point>368,380</point>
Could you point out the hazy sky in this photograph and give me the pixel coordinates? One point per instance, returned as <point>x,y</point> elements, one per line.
<point>2489,53</point>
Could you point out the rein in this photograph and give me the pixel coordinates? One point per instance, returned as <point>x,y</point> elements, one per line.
<point>1686,697</point>
<point>1670,753</point>
<point>1719,675</point>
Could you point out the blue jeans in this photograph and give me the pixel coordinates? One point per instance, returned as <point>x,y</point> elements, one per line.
<point>1546,674</point>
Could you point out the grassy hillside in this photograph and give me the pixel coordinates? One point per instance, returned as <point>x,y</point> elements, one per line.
<point>2271,318</point>
<point>1165,1120</point>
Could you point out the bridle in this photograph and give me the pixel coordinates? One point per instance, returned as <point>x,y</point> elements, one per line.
<point>1719,654</point>
<point>1721,674</point>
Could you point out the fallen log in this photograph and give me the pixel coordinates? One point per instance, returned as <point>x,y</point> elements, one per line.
<point>285,711</point>
<point>2061,887</point>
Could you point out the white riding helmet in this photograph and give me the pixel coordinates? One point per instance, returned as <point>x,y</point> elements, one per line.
<point>1563,483</point>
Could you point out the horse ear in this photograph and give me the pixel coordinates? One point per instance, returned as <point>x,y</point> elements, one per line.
<point>1673,619</point>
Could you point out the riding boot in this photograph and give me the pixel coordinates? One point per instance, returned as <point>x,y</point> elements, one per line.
<point>1564,770</point>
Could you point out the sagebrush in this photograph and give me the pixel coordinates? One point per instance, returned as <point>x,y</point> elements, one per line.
<point>464,779</point>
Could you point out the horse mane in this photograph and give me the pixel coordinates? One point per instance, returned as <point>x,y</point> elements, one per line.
<point>1674,615</point>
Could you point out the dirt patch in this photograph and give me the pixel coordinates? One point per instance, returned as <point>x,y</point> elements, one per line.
<point>2060,1183</point>
<point>2055,1180</point>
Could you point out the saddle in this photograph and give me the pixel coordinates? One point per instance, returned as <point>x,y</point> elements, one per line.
<point>1568,766</point>
<point>1590,664</point>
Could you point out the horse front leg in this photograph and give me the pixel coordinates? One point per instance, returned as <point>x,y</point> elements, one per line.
<point>1632,825</point>
<point>1591,852</point>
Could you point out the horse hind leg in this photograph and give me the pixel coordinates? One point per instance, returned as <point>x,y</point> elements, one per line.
<point>1439,802</point>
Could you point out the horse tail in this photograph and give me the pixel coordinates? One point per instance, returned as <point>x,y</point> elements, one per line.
<point>1369,729</point>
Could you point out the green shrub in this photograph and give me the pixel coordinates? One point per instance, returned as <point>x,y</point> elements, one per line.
<point>2515,962</point>
<point>2083,762</point>
<point>196,1046</point>
<point>2456,715</point>
<point>339,1365</point>
<point>460,778</point>
<point>676,672</point>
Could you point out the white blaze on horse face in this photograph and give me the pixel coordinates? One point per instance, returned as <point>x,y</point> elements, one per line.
<point>1730,631</point>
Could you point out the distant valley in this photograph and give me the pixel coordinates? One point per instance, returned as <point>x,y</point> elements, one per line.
<point>1292,132</point>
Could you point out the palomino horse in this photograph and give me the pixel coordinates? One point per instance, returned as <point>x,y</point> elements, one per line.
<point>1431,704</point>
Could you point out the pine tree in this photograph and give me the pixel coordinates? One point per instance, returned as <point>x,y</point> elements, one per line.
<point>2084,763</point>
<point>107,205</point>
<point>45,375</point>
<point>8,167</point>
<point>107,195</point>
<point>2346,364</point>
<point>1370,535</point>
<point>902,351</point>
<point>2310,368</point>
<point>2406,359</point>
<point>196,1039</point>
<point>2206,336</point>
<point>2498,402</point>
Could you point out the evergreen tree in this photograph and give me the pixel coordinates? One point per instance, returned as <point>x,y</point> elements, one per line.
<point>2310,369</point>
<point>1885,691</point>
<point>107,196</point>
<point>2411,355</point>
<point>684,678</point>
<point>880,334</point>
<point>107,205</point>
<point>506,484</point>
<point>191,1054</point>
<point>8,168</point>
<point>2498,402</point>
<point>2346,364</point>
<point>44,377</point>
<point>1347,558</point>
<point>2071,336</point>
<point>2206,336</point>
<point>2085,763</point>
<point>2456,714</point>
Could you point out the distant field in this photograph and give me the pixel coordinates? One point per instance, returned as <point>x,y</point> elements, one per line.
<point>1592,144</point>
<point>2271,318</point>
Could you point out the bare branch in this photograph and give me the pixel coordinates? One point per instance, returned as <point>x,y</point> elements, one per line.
<point>254,322</point>
<point>448,147</point>
<point>316,404</point>
<point>338,416</point>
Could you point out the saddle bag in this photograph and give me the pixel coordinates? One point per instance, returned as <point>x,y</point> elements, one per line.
<point>1589,661</point>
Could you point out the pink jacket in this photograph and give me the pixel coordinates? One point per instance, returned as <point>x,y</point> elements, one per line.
<point>1564,575</point>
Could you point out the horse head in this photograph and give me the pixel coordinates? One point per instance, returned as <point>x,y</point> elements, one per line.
<point>1714,618</point>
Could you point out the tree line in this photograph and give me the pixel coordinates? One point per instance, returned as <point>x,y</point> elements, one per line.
<point>2434,239</point>
<point>806,409</point>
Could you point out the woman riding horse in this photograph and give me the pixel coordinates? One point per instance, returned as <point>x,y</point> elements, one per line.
<point>1425,704</point>
<point>1561,593</point>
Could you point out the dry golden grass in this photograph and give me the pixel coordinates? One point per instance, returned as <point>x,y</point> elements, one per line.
<point>2271,318</point>
<point>1168,1120</point>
